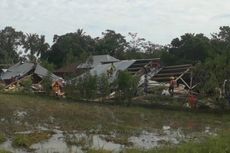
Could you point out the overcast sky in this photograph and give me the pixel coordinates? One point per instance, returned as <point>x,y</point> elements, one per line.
<point>156,20</point>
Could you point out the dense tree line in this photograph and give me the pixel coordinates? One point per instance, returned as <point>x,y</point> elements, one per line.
<point>209,55</point>
<point>71,47</point>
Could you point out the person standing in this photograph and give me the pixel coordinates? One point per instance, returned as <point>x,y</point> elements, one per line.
<point>172,84</point>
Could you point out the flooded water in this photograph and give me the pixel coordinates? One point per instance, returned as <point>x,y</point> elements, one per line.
<point>61,142</point>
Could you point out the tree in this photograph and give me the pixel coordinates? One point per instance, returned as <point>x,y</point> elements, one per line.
<point>223,35</point>
<point>135,44</point>
<point>69,46</point>
<point>10,44</point>
<point>190,48</point>
<point>111,43</point>
<point>35,46</point>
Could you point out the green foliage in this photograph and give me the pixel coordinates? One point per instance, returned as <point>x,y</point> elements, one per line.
<point>126,85</point>
<point>47,65</point>
<point>87,86</point>
<point>27,83</point>
<point>67,47</point>
<point>35,46</point>
<point>26,140</point>
<point>72,91</point>
<point>111,43</point>
<point>21,141</point>
<point>212,73</point>
<point>98,151</point>
<point>10,41</point>
<point>190,48</point>
<point>2,138</point>
<point>103,85</point>
<point>47,83</point>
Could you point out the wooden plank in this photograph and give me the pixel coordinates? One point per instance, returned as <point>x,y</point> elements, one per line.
<point>160,78</point>
<point>23,78</point>
<point>134,68</point>
<point>148,59</point>
<point>177,66</point>
<point>138,65</point>
<point>185,83</point>
<point>173,70</point>
<point>191,79</point>
<point>168,74</point>
<point>183,74</point>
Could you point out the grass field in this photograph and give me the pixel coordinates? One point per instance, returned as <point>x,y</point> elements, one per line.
<point>26,113</point>
<point>219,144</point>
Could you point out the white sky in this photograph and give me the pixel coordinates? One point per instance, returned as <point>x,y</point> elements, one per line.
<point>156,20</point>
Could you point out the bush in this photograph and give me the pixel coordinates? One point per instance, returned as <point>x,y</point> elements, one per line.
<point>87,86</point>
<point>126,86</point>
<point>47,83</point>
<point>27,83</point>
<point>103,85</point>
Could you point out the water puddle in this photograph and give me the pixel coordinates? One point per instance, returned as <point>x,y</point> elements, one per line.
<point>62,142</point>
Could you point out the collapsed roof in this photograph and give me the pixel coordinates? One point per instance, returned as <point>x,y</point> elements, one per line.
<point>182,73</point>
<point>134,67</point>
<point>95,60</point>
<point>23,69</point>
<point>171,71</point>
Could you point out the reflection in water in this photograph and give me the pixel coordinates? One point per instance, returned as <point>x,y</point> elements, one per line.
<point>80,142</point>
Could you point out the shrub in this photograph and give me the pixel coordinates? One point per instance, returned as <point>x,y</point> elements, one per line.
<point>47,83</point>
<point>103,85</point>
<point>27,83</point>
<point>126,86</point>
<point>87,86</point>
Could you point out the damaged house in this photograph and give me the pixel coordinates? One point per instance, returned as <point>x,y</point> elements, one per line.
<point>76,69</point>
<point>182,74</point>
<point>111,66</point>
<point>22,71</point>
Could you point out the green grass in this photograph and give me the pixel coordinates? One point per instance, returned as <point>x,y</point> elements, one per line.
<point>98,151</point>
<point>26,140</point>
<point>4,151</point>
<point>2,138</point>
<point>219,144</point>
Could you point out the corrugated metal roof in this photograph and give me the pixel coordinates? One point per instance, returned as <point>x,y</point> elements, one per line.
<point>119,66</point>
<point>42,72</point>
<point>17,70</point>
<point>21,69</point>
<point>93,61</point>
<point>102,68</point>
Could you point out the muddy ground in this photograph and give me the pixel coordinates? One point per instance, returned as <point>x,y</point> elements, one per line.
<point>41,124</point>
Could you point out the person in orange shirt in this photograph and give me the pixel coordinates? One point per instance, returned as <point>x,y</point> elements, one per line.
<point>192,99</point>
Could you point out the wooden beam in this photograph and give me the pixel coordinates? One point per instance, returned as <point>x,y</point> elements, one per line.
<point>168,74</point>
<point>16,81</point>
<point>191,79</point>
<point>174,70</point>
<point>185,83</point>
<point>138,64</point>
<point>160,78</point>
<point>178,66</point>
<point>194,86</point>
<point>134,68</point>
<point>183,74</point>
